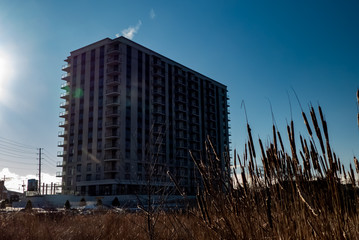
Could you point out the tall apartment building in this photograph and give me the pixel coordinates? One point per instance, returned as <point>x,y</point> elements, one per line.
<point>130,115</point>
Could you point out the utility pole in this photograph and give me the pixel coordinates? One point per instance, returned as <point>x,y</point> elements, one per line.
<point>39,171</point>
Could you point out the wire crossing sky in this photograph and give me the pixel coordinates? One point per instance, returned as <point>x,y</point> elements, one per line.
<point>262,50</point>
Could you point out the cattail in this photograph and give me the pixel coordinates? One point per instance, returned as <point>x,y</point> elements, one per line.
<point>324,123</point>
<point>356,164</point>
<point>317,129</point>
<point>251,140</point>
<point>275,141</point>
<point>345,175</point>
<point>280,141</point>
<point>307,124</point>
<point>351,175</point>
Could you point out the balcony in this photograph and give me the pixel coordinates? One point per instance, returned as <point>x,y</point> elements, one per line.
<point>180,73</point>
<point>110,92</point>
<point>110,124</point>
<point>159,101</point>
<point>110,169</point>
<point>65,86</point>
<point>112,135</point>
<point>63,123</point>
<point>61,153</point>
<point>158,82</point>
<point>181,82</point>
<point>64,114</point>
<point>158,73</point>
<point>62,133</point>
<point>60,163</point>
<point>113,50</point>
<point>181,99</point>
<point>66,67</point>
<point>61,143</point>
<point>112,81</point>
<point>181,109</point>
<point>112,113</point>
<point>60,174</point>
<point>159,112</point>
<point>66,76</point>
<point>113,71</point>
<point>111,146</point>
<point>109,157</point>
<point>158,91</point>
<point>64,104</point>
<point>113,60</point>
<point>111,102</point>
<point>65,95</point>
<point>158,63</point>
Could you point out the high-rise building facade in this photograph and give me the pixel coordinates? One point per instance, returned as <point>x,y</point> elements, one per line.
<point>130,115</point>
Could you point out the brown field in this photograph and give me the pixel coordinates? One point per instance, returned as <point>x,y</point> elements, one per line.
<point>305,193</point>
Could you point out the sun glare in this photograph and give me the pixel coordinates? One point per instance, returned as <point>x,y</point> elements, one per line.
<point>6,73</point>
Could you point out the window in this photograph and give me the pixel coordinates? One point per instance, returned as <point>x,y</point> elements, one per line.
<point>88,167</point>
<point>88,177</point>
<point>78,168</point>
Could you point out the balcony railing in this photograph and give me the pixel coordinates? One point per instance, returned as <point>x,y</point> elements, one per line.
<point>113,71</point>
<point>113,60</point>
<point>63,114</point>
<point>64,104</point>
<point>113,102</point>
<point>61,153</point>
<point>62,133</point>
<point>112,146</point>
<point>63,123</point>
<point>111,157</point>
<point>111,113</point>
<point>66,66</point>
<point>65,95</point>
<point>113,50</point>
<point>110,169</point>
<point>111,81</point>
<point>112,135</point>
<point>60,163</point>
<point>112,124</point>
<point>65,85</point>
<point>112,92</point>
<point>65,76</point>
<point>61,143</point>
<point>60,174</point>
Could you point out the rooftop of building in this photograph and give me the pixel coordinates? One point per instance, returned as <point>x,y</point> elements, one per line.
<point>130,42</point>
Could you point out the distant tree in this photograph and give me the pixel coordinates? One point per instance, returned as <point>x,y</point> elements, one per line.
<point>28,206</point>
<point>83,202</point>
<point>67,205</point>
<point>115,202</point>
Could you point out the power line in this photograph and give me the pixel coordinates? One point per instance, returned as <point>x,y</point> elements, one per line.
<point>11,161</point>
<point>50,155</point>
<point>14,155</point>
<point>15,149</point>
<point>17,143</point>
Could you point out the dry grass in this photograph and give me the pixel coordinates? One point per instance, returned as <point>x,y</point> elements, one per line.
<point>305,193</point>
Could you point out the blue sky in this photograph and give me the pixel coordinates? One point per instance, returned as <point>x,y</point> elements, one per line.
<point>259,49</point>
